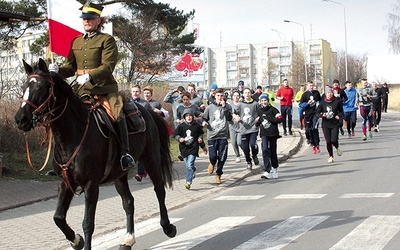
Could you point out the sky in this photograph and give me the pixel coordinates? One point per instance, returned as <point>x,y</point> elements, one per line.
<point>228,22</point>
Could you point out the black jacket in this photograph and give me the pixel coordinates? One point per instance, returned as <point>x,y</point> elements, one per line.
<point>268,122</point>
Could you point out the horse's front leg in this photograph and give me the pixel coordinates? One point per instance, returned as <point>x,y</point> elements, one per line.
<point>168,228</point>
<point>91,197</point>
<point>65,196</point>
<point>122,187</point>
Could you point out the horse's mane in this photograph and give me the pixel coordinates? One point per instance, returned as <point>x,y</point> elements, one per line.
<point>62,88</point>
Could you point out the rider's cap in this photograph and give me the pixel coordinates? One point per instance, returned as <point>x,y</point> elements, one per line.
<point>91,10</point>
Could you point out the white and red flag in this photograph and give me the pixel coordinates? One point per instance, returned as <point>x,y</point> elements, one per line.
<point>64,24</point>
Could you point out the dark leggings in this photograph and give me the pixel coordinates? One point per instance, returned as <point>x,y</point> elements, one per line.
<point>376,115</point>
<point>332,138</point>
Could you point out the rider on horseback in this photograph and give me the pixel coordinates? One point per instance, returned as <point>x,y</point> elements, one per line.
<point>93,57</point>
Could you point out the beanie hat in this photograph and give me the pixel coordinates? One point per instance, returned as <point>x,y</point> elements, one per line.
<point>213,86</point>
<point>328,90</point>
<point>240,83</point>
<point>264,96</point>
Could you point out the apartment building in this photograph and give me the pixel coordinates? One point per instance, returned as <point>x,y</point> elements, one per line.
<point>269,63</point>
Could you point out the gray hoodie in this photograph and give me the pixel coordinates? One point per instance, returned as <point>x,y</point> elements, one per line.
<point>217,118</point>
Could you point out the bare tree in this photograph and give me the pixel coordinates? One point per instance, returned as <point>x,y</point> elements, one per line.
<point>393,28</point>
<point>297,67</point>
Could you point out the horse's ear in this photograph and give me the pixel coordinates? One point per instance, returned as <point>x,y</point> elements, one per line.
<point>43,66</point>
<point>28,68</point>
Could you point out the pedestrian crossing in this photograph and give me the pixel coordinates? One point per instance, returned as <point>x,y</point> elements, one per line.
<point>369,232</point>
<point>372,233</point>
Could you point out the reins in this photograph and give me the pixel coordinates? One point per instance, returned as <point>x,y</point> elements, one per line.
<point>40,119</point>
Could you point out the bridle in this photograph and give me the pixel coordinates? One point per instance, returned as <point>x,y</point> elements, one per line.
<point>39,116</point>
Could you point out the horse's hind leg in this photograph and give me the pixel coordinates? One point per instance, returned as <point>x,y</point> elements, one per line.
<point>122,187</point>
<point>65,196</point>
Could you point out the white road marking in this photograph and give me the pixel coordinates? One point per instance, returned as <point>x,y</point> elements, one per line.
<point>202,233</point>
<point>283,233</point>
<point>300,196</point>
<point>366,195</point>
<point>113,239</point>
<point>238,197</point>
<point>374,233</point>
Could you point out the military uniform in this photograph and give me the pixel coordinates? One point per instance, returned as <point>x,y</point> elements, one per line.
<point>96,53</point>
<point>93,56</point>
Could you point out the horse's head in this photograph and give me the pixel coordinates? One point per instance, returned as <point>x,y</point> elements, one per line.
<point>38,92</point>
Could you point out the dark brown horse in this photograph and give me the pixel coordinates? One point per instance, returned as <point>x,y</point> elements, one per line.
<point>81,152</point>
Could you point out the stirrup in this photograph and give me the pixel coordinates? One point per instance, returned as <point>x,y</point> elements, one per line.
<point>127,162</point>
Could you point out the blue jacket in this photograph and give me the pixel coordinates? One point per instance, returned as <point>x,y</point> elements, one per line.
<point>350,104</point>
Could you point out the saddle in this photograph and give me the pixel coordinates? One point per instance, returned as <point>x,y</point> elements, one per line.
<point>134,119</point>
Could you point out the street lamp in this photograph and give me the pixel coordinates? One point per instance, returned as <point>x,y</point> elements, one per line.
<point>345,35</point>
<point>304,44</point>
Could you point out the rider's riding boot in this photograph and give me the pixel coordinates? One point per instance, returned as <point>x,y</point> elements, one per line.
<point>126,160</point>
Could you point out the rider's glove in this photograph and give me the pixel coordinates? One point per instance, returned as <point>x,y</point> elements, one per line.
<point>83,79</point>
<point>53,67</point>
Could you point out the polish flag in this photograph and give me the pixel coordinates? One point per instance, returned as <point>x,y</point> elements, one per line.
<point>64,24</point>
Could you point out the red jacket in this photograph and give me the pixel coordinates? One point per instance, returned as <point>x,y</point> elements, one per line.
<point>287,94</point>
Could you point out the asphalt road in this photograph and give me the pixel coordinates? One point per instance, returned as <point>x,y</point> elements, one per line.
<point>352,203</point>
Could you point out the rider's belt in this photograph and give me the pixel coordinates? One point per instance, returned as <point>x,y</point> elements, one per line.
<point>84,71</point>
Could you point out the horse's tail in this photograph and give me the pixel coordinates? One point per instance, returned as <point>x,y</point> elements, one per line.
<point>165,151</point>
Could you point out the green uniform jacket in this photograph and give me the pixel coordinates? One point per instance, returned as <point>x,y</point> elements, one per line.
<point>98,54</point>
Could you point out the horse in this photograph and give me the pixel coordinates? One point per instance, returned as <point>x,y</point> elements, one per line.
<point>81,152</point>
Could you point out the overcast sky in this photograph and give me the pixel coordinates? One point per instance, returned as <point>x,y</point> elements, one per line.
<point>229,22</point>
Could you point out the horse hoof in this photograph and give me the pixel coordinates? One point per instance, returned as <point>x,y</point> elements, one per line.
<point>170,231</point>
<point>80,244</point>
<point>124,247</point>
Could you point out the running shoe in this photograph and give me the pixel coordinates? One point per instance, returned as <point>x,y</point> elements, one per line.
<point>218,179</point>
<point>370,134</point>
<point>330,159</point>
<point>237,159</point>
<point>314,149</point>
<point>266,175</point>
<point>377,128</point>
<point>339,152</point>
<point>210,168</point>
<point>187,185</point>
<point>275,173</point>
<point>249,166</point>
<point>364,138</point>
<point>317,149</point>
<point>353,134</point>
<point>349,135</point>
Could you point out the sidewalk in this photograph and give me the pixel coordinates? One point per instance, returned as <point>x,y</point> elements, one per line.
<point>35,191</point>
<point>27,207</point>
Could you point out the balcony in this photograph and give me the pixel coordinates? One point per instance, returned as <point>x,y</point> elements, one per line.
<point>315,52</point>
